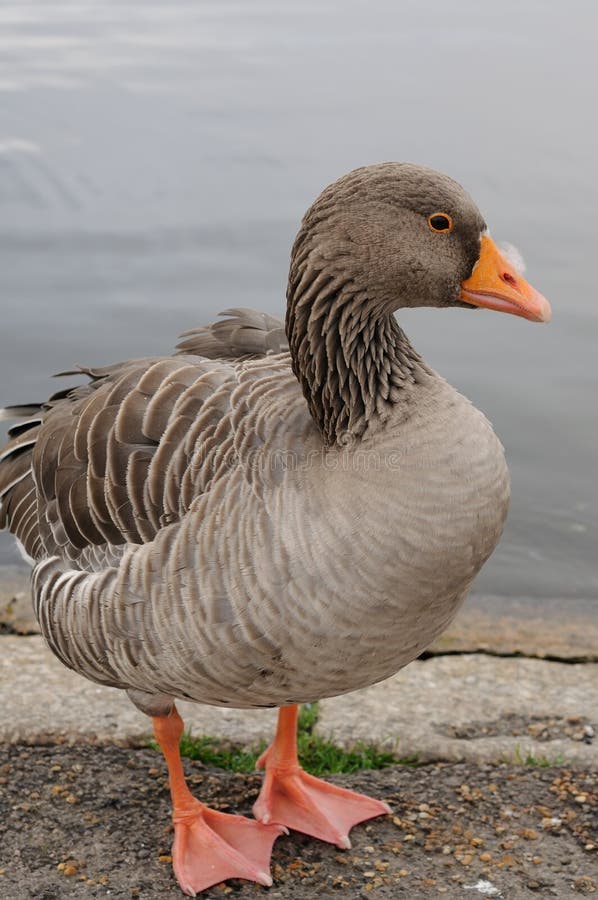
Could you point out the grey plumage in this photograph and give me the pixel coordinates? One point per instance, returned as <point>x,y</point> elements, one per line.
<point>259,522</point>
<point>243,334</point>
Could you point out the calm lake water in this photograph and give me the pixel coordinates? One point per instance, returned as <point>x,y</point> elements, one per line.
<point>156,157</point>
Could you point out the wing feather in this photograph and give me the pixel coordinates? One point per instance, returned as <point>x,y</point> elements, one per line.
<point>244,333</point>
<point>112,462</point>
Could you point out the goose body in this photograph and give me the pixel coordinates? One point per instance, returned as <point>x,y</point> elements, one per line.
<point>251,522</point>
<point>249,596</point>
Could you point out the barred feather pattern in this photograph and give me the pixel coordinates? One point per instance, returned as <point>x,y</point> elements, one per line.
<point>241,333</point>
<point>193,538</point>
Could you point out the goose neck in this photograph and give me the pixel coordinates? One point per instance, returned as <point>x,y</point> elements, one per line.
<point>355,364</point>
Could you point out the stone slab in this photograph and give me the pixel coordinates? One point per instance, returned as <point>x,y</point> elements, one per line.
<point>475,708</point>
<point>41,700</point>
<point>470,707</point>
<point>554,627</point>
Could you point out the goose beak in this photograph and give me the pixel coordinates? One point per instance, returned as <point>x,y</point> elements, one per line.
<point>496,284</point>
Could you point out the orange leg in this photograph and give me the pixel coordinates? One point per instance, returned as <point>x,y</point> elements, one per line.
<point>291,797</point>
<point>209,846</point>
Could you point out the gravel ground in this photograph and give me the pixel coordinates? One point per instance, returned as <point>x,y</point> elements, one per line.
<point>94,821</point>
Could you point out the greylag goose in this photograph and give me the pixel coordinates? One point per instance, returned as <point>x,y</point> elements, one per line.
<point>255,523</point>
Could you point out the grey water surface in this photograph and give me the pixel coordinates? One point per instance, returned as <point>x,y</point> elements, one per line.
<point>157,155</point>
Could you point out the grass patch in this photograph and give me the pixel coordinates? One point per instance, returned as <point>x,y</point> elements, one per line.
<point>527,758</point>
<point>317,755</point>
<point>320,757</point>
<point>309,713</point>
<point>215,752</point>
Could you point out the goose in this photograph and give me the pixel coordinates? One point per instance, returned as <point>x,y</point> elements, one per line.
<point>275,513</point>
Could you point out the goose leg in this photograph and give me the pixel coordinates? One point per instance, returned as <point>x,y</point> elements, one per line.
<point>209,846</point>
<point>291,797</point>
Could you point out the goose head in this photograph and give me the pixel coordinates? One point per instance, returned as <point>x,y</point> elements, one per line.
<point>402,235</point>
<point>381,238</point>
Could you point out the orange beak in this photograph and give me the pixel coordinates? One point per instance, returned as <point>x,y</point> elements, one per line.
<point>496,284</point>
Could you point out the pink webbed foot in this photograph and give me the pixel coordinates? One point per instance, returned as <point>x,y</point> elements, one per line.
<point>211,846</point>
<point>291,797</point>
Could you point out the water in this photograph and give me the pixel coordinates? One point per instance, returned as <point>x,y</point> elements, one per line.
<point>155,159</point>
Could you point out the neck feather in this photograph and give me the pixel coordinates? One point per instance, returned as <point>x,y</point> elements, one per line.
<point>355,364</point>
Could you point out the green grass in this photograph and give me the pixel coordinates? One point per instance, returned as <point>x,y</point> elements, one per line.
<point>317,755</point>
<point>519,758</point>
<point>309,713</point>
<point>215,752</point>
<point>320,757</point>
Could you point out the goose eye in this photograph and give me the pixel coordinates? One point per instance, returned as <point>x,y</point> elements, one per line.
<point>440,222</point>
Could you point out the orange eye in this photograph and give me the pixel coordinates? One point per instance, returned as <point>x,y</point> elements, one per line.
<point>440,222</point>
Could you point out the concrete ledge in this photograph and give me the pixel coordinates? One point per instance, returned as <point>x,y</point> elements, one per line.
<point>476,708</point>
<point>549,627</point>
<point>41,700</point>
<point>470,707</point>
